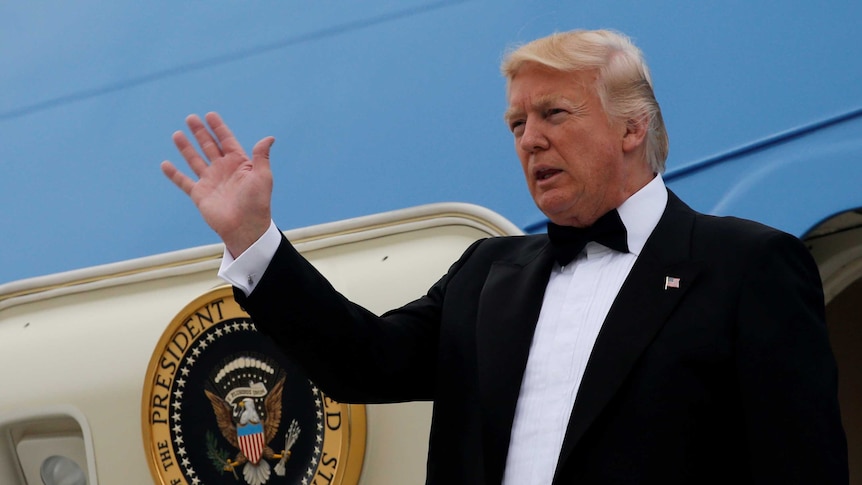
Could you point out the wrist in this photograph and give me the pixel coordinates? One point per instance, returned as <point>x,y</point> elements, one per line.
<point>237,242</point>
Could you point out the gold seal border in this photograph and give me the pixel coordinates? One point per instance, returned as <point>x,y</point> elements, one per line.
<point>350,441</point>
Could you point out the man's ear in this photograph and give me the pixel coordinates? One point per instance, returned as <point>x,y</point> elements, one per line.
<point>635,135</point>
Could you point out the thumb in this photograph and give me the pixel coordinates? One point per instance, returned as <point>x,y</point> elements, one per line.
<point>260,152</point>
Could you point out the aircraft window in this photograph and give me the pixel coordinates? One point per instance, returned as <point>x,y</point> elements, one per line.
<point>61,470</point>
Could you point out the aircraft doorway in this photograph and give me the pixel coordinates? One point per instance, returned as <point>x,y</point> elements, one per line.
<point>837,246</point>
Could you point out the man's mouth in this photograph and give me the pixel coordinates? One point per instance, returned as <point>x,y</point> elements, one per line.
<point>546,173</point>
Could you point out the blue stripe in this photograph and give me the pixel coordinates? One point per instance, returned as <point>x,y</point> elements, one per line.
<point>249,429</point>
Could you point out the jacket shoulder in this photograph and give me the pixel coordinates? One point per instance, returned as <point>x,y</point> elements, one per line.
<point>723,238</point>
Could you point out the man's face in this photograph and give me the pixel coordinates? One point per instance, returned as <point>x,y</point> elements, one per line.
<point>578,163</point>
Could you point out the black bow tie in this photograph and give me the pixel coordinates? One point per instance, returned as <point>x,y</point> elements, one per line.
<point>567,241</point>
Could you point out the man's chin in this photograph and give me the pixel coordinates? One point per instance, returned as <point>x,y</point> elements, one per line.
<point>566,218</point>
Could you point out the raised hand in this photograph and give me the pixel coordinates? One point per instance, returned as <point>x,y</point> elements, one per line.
<point>233,193</point>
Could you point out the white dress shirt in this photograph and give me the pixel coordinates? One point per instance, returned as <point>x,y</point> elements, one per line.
<point>577,300</point>
<point>245,271</point>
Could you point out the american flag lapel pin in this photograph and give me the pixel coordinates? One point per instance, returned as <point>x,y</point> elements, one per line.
<point>671,282</point>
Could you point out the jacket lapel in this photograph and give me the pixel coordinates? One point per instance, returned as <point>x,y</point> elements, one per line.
<point>509,307</point>
<point>636,316</point>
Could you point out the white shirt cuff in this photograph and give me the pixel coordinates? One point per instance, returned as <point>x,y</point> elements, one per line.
<point>245,271</point>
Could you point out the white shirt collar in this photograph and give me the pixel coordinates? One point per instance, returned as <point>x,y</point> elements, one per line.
<point>641,212</point>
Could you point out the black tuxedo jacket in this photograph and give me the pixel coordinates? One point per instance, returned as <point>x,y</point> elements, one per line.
<point>728,378</point>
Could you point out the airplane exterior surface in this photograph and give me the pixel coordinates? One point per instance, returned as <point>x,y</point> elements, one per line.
<point>384,105</point>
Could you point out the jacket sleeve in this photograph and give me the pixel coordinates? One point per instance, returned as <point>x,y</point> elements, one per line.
<point>351,353</point>
<point>786,370</point>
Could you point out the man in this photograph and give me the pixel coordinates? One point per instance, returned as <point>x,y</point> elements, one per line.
<point>671,347</point>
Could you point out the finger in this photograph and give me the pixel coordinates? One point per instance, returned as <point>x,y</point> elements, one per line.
<point>208,144</point>
<point>225,137</point>
<point>187,150</point>
<point>260,153</point>
<point>178,178</point>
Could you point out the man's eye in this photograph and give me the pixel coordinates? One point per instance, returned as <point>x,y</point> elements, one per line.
<point>554,111</point>
<point>517,127</point>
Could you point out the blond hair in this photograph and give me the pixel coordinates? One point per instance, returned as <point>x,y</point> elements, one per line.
<point>624,85</point>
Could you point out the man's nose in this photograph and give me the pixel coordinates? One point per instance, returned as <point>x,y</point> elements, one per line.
<point>533,139</point>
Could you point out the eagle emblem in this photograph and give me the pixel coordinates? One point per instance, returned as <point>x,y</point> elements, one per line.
<point>247,427</point>
<point>223,404</point>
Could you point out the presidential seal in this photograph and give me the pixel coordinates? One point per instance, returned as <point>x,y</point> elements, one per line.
<point>222,404</point>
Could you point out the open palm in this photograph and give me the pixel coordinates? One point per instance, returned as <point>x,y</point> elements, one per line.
<point>233,193</point>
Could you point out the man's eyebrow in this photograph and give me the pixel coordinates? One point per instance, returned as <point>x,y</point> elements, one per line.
<point>511,114</point>
<point>542,103</point>
<point>547,101</point>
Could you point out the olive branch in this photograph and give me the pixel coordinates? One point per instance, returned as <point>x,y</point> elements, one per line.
<point>218,456</point>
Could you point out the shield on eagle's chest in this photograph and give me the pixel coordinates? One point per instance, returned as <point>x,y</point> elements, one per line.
<point>251,443</point>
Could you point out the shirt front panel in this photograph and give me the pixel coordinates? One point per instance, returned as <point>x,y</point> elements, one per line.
<point>577,300</point>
